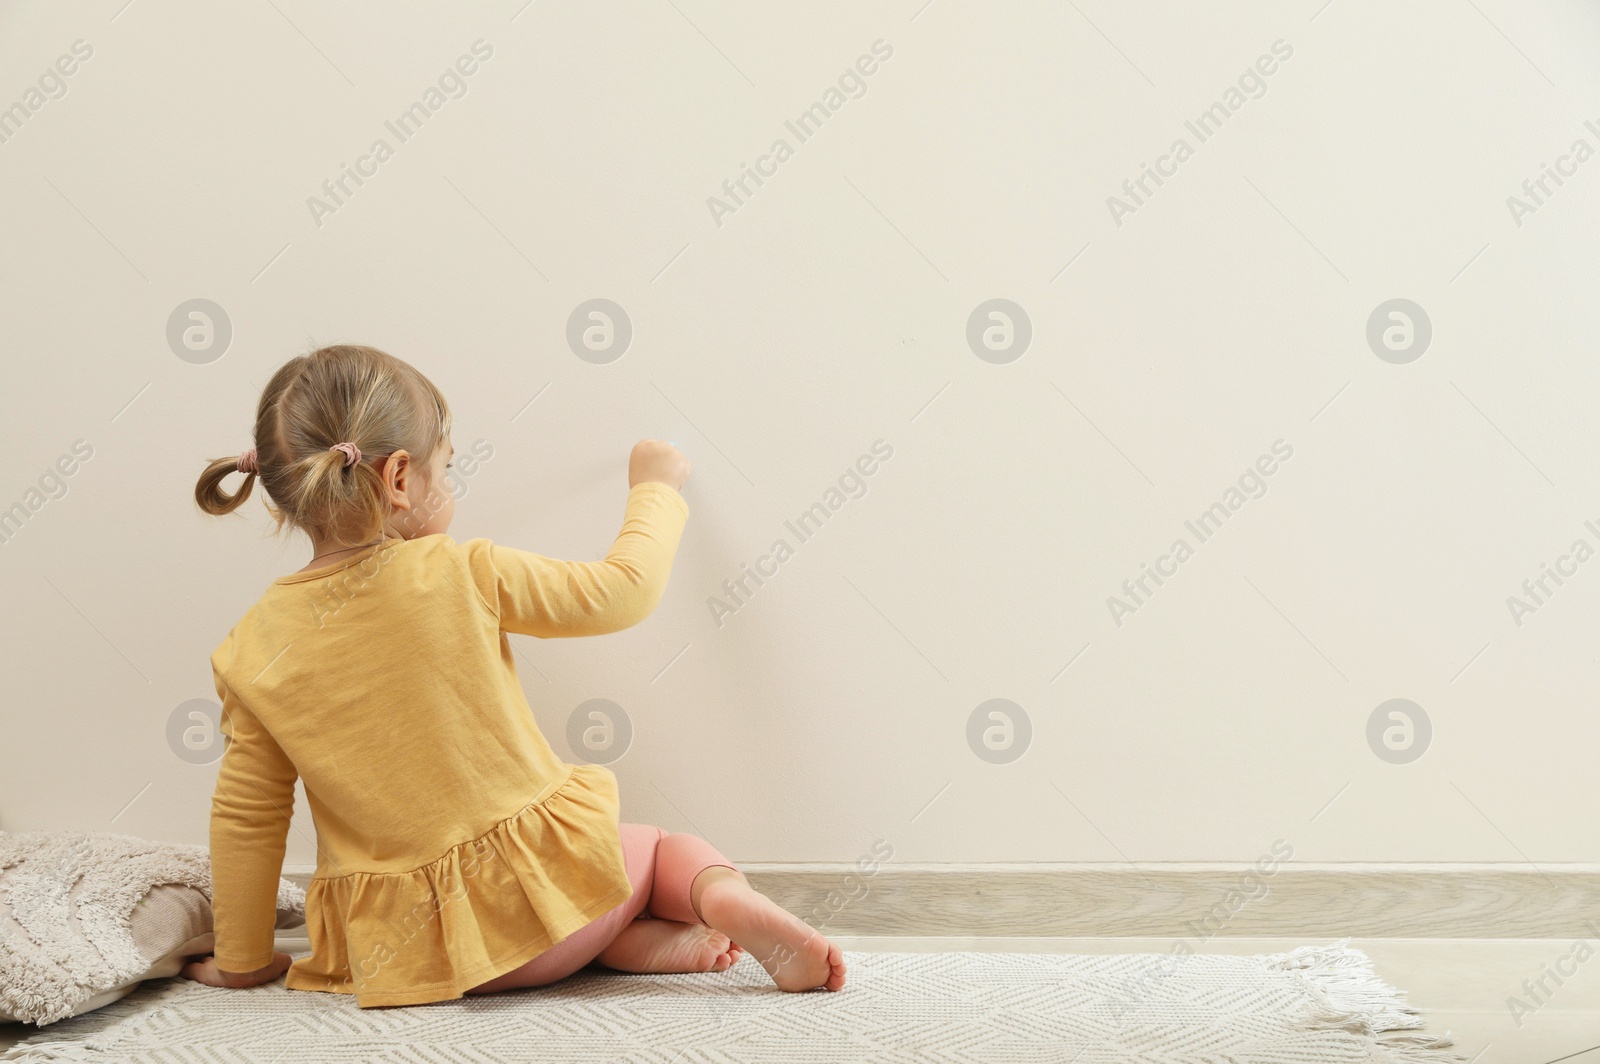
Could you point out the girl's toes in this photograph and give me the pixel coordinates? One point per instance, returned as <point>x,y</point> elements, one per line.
<point>835,979</point>
<point>728,952</point>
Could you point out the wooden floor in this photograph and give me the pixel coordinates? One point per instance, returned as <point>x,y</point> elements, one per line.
<point>1461,985</point>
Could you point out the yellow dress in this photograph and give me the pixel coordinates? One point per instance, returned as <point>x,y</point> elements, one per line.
<point>453,845</point>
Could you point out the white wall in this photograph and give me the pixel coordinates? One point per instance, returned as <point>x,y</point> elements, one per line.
<point>1226,312</point>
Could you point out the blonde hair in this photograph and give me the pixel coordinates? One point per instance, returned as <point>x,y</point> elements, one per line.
<point>342,394</point>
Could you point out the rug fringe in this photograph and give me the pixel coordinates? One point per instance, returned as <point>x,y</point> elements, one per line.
<point>40,1052</point>
<point>1349,995</point>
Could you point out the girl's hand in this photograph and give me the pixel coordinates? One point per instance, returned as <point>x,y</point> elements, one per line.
<point>657,460</point>
<point>205,970</point>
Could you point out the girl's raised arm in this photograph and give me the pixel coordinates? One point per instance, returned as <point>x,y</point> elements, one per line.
<point>535,595</point>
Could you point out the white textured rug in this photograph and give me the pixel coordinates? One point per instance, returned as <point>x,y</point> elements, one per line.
<point>1318,1005</point>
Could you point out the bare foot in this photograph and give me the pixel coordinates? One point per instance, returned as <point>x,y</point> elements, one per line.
<point>657,947</point>
<point>794,953</point>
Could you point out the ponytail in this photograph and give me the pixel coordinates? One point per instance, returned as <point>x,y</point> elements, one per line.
<point>208,493</point>
<point>346,502</point>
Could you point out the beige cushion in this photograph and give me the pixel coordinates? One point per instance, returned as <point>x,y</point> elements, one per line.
<point>85,918</point>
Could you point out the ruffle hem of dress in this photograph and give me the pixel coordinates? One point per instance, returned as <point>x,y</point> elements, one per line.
<point>486,907</point>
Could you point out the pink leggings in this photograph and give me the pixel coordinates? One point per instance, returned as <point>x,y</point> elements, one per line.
<point>661,867</point>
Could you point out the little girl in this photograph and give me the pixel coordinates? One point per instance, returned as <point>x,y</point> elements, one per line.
<point>456,853</point>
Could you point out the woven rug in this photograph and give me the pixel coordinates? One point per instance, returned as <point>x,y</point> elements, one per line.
<point>1317,1005</point>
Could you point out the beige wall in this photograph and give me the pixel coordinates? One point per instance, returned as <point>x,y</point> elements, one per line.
<point>1174,341</point>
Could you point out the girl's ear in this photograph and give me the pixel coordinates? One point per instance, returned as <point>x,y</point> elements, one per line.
<point>397,474</point>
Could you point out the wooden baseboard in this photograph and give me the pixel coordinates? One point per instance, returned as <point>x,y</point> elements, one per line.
<point>1186,901</point>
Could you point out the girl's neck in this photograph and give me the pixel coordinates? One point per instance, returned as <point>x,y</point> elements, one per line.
<point>326,552</point>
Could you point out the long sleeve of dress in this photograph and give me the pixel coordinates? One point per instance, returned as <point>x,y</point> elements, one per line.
<point>540,596</point>
<point>250,812</point>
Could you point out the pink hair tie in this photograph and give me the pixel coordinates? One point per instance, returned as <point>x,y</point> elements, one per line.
<point>352,453</point>
<point>247,462</point>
